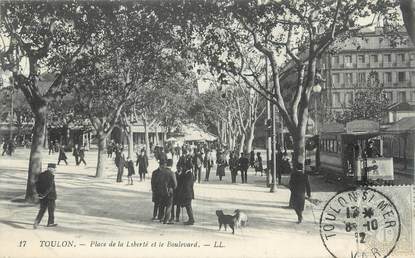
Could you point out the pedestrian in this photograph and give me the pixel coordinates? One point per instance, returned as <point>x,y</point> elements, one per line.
<point>299,186</point>
<point>233,166</point>
<point>176,203</point>
<point>45,187</point>
<point>243,166</point>
<point>157,210</point>
<point>198,163</point>
<point>110,148</point>
<point>208,162</point>
<point>142,163</point>
<point>165,187</point>
<point>120,163</point>
<point>62,155</point>
<point>76,154</point>
<point>185,193</point>
<point>221,164</point>
<point>130,166</point>
<point>82,155</point>
<point>252,159</point>
<point>11,147</point>
<point>50,147</point>
<point>258,164</point>
<point>371,151</point>
<point>5,147</point>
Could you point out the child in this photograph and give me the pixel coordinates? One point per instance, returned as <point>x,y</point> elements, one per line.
<point>130,166</point>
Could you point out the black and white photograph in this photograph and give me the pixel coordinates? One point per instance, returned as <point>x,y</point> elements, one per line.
<point>207,128</point>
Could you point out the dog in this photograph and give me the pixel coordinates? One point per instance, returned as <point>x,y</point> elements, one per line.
<point>226,220</point>
<point>241,218</point>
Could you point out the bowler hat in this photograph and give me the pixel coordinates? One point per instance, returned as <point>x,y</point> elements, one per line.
<point>51,165</point>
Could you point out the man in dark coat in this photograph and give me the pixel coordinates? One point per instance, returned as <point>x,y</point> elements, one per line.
<point>142,163</point>
<point>120,163</point>
<point>62,155</point>
<point>198,163</point>
<point>165,187</point>
<point>157,210</point>
<point>82,155</point>
<point>243,166</point>
<point>252,159</point>
<point>371,151</point>
<point>233,166</point>
<point>176,203</point>
<point>45,187</point>
<point>76,154</point>
<point>299,186</point>
<point>185,193</point>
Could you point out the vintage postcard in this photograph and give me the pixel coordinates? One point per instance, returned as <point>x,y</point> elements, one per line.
<point>207,128</point>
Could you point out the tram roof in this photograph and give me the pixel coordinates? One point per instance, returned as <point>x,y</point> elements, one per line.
<point>403,125</point>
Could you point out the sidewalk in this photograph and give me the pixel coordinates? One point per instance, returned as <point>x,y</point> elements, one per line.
<point>91,209</point>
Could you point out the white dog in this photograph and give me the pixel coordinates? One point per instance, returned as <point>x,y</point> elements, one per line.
<point>241,218</point>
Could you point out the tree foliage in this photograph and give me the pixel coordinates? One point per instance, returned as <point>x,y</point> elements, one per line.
<point>369,103</point>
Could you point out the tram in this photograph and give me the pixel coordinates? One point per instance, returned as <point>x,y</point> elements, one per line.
<point>344,153</point>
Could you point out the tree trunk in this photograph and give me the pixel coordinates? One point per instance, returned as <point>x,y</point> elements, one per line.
<point>146,138</point>
<point>102,148</point>
<point>35,160</point>
<point>250,138</point>
<point>219,131</point>
<point>242,143</point>
<point>46,133</point>
<point>130,141</point>
<point>156,139</point>
<point>299,149</point>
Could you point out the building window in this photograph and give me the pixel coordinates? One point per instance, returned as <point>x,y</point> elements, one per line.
<point>374,76</point>
<point>401,76</point>
<point>400,58</point>
<point>362,77</point>
<point>413,96</point>
<point>348,59</point>
<point>348,99</point>
<point>374,58</point>
<point>402,96</point>
<point>361,58</point>
<point>336,78</point>
<point>388,77</point>
<point>348,78</point>
<point>336,59</point>
<point>389,96</point>
<point>387,58</point>
<point>336,99</point>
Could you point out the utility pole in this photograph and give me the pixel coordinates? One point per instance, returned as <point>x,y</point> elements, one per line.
<point>268,143</point>
<point>273,156</point>
<point>11,111</point>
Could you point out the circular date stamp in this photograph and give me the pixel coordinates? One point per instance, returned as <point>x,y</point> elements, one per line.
<point>360,222</point>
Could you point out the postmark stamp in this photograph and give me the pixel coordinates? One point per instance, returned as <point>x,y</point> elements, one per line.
<point>360,222</point>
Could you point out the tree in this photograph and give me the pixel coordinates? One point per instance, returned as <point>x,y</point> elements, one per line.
<point>297,31</point>
<point>408,12</point>
<point>369,103</point>
<point>130,49</point>
<point>166,99</point>
<point>42,35</point>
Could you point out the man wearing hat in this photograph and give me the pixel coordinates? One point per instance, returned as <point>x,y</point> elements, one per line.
<point>165,187</point>
<point>299,185</point>
<point>45,187</point>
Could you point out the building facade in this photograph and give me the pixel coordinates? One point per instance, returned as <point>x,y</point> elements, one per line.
<point>348,70</point>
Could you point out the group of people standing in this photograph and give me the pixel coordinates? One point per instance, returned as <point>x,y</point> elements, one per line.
<point>173,190</point>
<point>8,147</point>
<point>78,152</point>
<point>121,163</point>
